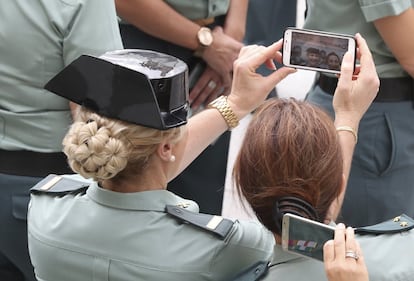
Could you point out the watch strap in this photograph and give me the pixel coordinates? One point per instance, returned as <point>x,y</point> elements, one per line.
<point>225,110</point>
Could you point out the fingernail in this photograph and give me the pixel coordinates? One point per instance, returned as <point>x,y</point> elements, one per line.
<point>341,226</point>
<point>274,43</point>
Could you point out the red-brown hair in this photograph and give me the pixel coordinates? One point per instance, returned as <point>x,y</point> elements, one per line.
<point>290,148</point>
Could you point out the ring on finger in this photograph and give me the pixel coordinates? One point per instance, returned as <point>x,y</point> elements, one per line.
<point>351,254</point>
<point>212,84</point>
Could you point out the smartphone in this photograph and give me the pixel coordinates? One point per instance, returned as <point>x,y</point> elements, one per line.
<point>316,50</point>
<point>305,237</point>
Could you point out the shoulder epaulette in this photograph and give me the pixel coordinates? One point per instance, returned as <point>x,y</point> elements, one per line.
<point>398,224</point>
<point>58,185</point>
<point>254,272</point>
<point>215,224</point>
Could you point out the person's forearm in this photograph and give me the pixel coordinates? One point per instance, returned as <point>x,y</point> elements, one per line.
<point>203,129</point>
<point>235,25</point>
<point>397,33</point>
<point>347,140</point>
<point>158,19</point>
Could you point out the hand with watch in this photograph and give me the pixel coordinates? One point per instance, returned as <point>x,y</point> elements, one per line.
<point>218,51</point>
<point>205,39</point>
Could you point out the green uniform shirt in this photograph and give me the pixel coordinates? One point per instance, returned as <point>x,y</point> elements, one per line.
<point>37,39</point>
<point>197,9</point>
<point>105,235</point>
<point>200,9</point>
<point>352,16</point>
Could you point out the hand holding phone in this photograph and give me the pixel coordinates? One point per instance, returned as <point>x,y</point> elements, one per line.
<point>343,257</point>
<point>316,50</point>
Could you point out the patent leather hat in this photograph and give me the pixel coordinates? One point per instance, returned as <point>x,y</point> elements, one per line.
<point>137,86</point>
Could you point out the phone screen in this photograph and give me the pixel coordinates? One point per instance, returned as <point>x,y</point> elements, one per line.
<point>316,50</point>
<point>305,237</point>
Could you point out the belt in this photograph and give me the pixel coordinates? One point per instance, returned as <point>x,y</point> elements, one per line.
<point>390,90</point>
<point>204,22</point>
<point>33,164</point>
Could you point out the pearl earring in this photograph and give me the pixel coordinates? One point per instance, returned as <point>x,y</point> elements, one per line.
<point>172,158</point>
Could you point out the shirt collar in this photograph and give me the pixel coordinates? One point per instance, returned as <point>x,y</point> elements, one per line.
<point>153,200</point>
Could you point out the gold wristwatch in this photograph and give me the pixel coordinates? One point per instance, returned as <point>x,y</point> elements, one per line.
<point>225,110</point>
<point>205,39</point>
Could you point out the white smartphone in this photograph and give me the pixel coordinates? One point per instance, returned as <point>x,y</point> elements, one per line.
<point>305,237</point>
<point>316,50</point>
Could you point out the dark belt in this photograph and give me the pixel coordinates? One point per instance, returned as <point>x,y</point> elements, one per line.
<point>391,89</point>
<point>32,164</point>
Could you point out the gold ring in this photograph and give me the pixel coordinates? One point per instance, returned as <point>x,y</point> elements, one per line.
<point>212,84</point>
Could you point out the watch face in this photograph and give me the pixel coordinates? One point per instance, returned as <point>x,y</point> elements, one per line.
<point>205,37</point>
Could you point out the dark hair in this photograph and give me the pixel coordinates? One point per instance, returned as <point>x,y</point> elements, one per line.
<point>291,149</point>
<point>312,50</point>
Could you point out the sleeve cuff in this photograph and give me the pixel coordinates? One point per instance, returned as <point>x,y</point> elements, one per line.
<point>374,9</point>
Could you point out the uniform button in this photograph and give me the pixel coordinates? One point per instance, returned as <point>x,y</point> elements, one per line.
<point>397,219</point>
<point>404,224</point>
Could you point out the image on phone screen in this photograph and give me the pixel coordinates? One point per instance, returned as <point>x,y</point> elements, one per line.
<point>305,237</point>
<point>314,50</point>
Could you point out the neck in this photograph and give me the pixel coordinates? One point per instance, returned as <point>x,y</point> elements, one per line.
<point>152,178</point>
<point>132,185</point>
<point>278,239</point>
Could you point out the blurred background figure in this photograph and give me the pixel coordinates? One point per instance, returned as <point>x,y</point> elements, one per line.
<point>381,183</point>
<point>37,39</point>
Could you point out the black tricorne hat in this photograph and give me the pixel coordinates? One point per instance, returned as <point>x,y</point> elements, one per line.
<point>138,86</point>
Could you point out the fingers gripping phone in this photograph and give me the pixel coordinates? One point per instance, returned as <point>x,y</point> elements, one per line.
<point>316,50</point>
<point>305,237</point>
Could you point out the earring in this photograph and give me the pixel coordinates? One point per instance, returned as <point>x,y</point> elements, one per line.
<point>172,158</point>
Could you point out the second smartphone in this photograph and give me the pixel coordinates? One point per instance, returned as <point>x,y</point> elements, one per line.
<point>305,237</point>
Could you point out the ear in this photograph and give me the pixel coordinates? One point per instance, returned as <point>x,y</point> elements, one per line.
<point>164,150</point>
<point>336,205</point>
